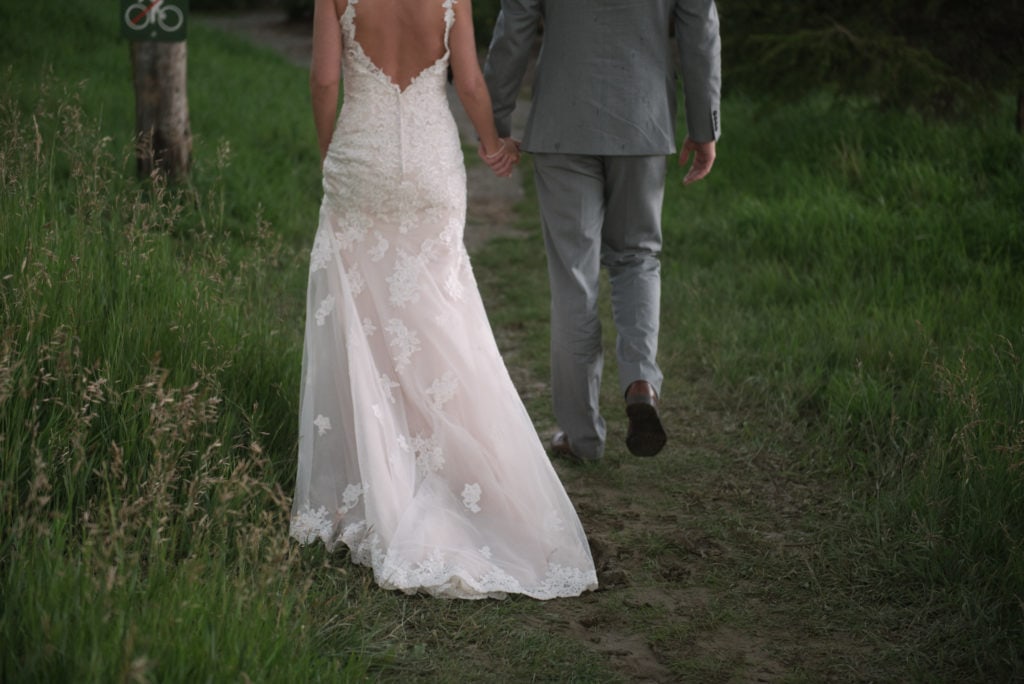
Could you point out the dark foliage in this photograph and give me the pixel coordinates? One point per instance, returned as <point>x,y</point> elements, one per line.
<point>229,5</point>
<point>936,56</point>
<point>485,12</point>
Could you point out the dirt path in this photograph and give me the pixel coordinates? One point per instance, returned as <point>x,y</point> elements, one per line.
<point>707,554</point>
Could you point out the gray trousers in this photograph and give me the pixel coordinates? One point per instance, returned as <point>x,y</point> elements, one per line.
<point>600,211</point>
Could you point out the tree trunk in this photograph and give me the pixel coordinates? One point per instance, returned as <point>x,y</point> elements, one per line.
<point>162,132</point>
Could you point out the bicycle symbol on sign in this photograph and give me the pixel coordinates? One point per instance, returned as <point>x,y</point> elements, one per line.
<point>140,16</point>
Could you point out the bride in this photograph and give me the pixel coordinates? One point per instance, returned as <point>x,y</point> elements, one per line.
<point>415,451</point>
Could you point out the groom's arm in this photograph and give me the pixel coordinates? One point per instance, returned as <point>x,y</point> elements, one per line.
<point>700,56</point>
<point>507,57</point>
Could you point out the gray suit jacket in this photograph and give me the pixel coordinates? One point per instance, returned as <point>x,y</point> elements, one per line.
<point>605,82</point>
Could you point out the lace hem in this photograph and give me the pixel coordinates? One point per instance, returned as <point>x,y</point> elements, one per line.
<point>435,575</point>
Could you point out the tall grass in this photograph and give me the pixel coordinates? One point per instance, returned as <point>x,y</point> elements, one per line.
<point>860,273</point>
<point>144,386</point>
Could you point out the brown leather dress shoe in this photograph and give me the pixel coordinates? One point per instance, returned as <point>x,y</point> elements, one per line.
<point>646,435</point>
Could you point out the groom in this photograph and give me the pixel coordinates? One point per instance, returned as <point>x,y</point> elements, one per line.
<point>601,122</point>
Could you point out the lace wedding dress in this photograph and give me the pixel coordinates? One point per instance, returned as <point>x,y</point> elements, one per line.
<point>415,450</point>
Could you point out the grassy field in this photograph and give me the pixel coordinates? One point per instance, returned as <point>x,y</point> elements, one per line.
<point>843,294</point>
<point>862,274</point>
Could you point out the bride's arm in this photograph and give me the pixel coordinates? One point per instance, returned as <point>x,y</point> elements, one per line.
<point>472,90</point>
<point>325,71</point>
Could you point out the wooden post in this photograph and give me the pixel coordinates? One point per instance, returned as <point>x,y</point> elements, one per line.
<point>163,134</point>
<point>163,137</point>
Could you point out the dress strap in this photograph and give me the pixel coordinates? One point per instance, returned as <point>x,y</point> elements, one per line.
<point>449,21</point>
<point>348,19</point>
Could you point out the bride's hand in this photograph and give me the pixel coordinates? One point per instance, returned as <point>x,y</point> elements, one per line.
<point>503,159</point>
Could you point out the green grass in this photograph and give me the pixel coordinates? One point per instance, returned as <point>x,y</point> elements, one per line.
<point>860,273</point>
<point>147,381</point>
<point>853,278</point>
<point>847,282</point>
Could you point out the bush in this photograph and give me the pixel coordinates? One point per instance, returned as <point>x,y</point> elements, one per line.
<point>934,57</point>
<point>485,13</point>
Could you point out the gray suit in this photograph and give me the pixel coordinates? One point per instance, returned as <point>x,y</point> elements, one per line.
<point>602,119</point>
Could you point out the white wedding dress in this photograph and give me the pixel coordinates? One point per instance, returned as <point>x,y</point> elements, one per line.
<point>415,450</point>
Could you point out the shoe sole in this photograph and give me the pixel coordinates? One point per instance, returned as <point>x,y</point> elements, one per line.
<point>646,436</point>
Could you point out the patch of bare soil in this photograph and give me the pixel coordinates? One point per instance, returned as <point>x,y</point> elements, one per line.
<point>270,29</point>
<point>706,553</point>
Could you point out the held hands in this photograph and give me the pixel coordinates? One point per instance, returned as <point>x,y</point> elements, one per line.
<point>703,159</point>
<point>503,159</point>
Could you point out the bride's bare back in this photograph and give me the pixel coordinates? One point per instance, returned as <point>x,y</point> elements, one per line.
<point>401,37</point>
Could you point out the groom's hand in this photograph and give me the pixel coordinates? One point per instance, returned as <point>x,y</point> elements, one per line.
<point>703,159</point>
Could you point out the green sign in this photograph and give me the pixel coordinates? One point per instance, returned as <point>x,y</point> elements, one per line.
<point>163,20</point>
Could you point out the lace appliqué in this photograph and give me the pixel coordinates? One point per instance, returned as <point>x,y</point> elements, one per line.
<point>429,457</point>
<point>324,310</point>
<point>442,390</point>
<point>403,342</point>
<point>403,283</point>
<point>378,251</point>
<point>350,497</point>
<point>356,281</point>
<point>451,233</point>
<point>471,497</point>
<point>356,226</point>
<point>323,424</point>
<point>453,285</point>
<point>562,580</point>
<point>311,524</point>
<point>323,251</point>
<point>553,523</point>
<point>388,385</point>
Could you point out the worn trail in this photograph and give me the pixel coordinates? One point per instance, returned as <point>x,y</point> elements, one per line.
<point>706,554</point>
